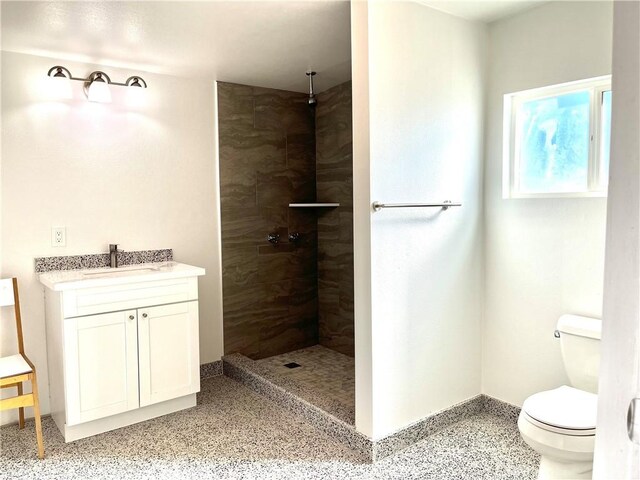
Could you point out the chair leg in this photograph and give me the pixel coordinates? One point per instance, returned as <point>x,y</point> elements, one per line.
<point>36,414</point>
<point>21,409</point>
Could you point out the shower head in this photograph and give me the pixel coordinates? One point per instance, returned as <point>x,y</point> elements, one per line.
<point>312,101</point>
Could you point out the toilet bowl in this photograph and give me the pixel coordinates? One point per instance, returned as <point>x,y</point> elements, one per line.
<point>560,424</point>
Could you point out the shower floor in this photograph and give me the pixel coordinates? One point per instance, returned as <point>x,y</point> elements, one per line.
<point>324,378</point>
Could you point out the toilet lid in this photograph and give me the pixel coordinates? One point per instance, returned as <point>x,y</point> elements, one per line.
<point>565,407</point>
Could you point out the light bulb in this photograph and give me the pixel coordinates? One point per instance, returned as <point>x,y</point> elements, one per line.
<point>99,92</point>
<point>59,88</point>
<point>136,97</point>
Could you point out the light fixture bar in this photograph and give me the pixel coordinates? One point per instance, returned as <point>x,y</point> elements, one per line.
<point>133,81</point>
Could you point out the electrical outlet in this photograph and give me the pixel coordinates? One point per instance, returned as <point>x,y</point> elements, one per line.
<point>58,236</point>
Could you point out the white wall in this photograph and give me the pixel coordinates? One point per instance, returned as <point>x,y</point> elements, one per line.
<point>425,76</point>
<point>615,456</point>
<point>361,217</point>
<point>544,257</point>
<point>143,177</point>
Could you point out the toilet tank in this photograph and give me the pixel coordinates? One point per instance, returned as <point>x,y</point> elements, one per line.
<point>580,346</point>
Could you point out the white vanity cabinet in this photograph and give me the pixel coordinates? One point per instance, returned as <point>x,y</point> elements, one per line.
<point>101,365</point>
<point>168,352</point>
<point>122,345</point>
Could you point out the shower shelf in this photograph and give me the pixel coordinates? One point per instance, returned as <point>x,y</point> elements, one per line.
<point>314,205</point>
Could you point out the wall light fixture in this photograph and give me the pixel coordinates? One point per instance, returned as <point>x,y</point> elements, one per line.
<point>96,85</point>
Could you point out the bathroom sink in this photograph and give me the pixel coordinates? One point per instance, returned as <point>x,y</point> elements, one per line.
<point>102,277</point>
<point>119,272</point>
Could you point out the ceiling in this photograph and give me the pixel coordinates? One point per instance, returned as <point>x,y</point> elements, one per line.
<point>482,10</point>
<point>271,44</point>
<point>266,43</point>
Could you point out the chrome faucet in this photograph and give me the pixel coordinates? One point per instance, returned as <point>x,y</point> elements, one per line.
<point>113,255</point>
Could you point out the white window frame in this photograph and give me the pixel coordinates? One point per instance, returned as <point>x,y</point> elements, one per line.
<point>596,179</point>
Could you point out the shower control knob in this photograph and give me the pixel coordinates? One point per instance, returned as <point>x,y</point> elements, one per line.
<point>273,239</point>
<point>294,237</point>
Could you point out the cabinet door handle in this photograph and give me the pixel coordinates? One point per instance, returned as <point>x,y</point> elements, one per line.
<point>144,315</point>
<point>633,420</point>
<point>131,317</point>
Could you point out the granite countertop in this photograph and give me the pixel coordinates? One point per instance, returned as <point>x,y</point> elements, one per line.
<point>104,277</point>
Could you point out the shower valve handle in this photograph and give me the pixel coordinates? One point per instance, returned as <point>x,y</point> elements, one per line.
<point>294,237</point>
<point>273,239</point>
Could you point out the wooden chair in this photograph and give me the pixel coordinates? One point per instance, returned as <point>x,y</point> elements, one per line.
<point>16,369</point>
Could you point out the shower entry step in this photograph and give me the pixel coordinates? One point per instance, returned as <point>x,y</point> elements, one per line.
<point>316,375</point>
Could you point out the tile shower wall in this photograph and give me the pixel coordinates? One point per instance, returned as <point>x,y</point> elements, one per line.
<point>267,160</point>
<point>334,183</point>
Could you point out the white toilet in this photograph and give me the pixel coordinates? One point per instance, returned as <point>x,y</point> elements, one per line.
<point>560,424</point>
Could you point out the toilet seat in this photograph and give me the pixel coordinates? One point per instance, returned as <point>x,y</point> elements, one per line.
<point>565,410</point>
<point>562,431</point>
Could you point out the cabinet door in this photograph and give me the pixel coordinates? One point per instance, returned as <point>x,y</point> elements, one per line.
<point>101,365</point>
<point>169,352</point>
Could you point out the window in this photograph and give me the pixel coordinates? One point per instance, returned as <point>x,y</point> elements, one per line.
<point>556,140</point>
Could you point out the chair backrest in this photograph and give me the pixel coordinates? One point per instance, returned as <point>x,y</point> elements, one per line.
<point>6,292</point>
<point>9,296</point>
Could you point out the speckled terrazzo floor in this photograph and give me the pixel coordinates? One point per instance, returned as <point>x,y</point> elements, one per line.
<point>325,378</point>
<point>234,433</point>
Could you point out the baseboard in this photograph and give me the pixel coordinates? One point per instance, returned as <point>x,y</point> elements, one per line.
<point>213,369</point>
<point>427,426</point>
<point>27,418</point>
<point>500,408</point>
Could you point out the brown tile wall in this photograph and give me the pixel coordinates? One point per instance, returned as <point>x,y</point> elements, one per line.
<point>334,183</point>
<point>267,160</point>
